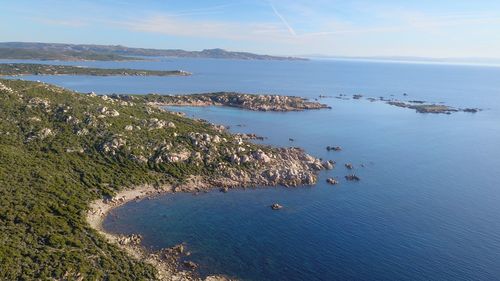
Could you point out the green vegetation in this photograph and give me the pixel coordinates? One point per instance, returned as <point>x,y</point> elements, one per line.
<point>27,50</point>
<point>64,55</point>
<point>59,150</point>
<point>12,69</point>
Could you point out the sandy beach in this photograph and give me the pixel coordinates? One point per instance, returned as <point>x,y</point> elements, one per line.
<point>166,261</point>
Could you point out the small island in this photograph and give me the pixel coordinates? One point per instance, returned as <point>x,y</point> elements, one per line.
<point>17,69</point>
<point>424,108</point>
<point>256,102</point>
<point>418,105</point>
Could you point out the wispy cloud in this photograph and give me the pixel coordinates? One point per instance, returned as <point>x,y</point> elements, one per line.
<point>359,27</point>
<point>282,18</point>
<point>173,26</point>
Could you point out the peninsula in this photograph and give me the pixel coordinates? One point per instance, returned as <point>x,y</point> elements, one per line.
<point>16,69</point>
<point>75,52</point>
<point>64,154</point>
<point>255,102</point>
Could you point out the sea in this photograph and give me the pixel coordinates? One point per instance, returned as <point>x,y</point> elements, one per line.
<point>427,206</point>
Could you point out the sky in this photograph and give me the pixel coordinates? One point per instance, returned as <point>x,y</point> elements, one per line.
<point>409,28</point>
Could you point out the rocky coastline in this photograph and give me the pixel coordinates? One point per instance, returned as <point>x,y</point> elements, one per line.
<point>255,102</point>
<point>166,261</point>
<point>104,146</point>
<point>288,167</point>
<point>417,105</point>
<point>246,165</point>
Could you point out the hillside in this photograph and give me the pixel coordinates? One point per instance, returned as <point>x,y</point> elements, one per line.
<point>27,50</point>
<point>61,150</point>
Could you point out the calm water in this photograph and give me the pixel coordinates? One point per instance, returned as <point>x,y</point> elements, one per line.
<point>426,208</point>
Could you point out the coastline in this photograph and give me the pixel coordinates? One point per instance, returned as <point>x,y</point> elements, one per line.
<point>165,261</point>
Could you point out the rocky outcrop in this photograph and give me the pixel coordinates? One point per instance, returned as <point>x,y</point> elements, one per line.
<point>250,137</point>
<point>332,181</point>
<point>244,101</point>
<point>329,165</point>
<point>132,239</point>
<point>276,206</point>
<point>352,177</point>
<point>334,148</point>
<point>425,108</point>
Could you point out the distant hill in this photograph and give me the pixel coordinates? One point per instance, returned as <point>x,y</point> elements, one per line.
<point>51,51</point>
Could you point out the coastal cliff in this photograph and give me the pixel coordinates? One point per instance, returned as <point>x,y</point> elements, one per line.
<point>61,150</point>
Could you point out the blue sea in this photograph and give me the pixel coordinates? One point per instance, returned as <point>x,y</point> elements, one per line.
<point>428,203</point>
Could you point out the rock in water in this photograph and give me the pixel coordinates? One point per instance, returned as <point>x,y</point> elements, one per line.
<point>332,181</point>
<point>276,206</point>
<point>334,148</point>
<point>190,265</point>
<point>329,165</point>
<point>352,178</point>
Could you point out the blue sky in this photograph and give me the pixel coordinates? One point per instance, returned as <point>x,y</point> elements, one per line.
<point>425,28</point>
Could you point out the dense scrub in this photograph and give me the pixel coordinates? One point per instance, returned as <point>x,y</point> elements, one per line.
<point>59,150</point>
<point>46,181</point>
<point>39,54</point>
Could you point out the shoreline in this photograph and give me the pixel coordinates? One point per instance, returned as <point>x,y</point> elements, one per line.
<point>166,261</point>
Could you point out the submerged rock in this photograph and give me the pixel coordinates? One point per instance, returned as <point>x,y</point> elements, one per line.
<point>352,177</point>
<point>471,110</point>
<point>349,166</point>
<point>333,148</point>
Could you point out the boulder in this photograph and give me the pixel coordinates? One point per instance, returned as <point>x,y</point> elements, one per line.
<point>328,165</point>
<point>276,206</point>
<point>332,181</point>
<point>190,264</point>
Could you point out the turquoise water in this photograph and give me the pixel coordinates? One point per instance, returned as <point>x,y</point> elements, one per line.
<point>426,208</point>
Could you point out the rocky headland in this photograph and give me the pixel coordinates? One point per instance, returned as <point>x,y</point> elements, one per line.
<point>255,102</point>
<point>80,155</point>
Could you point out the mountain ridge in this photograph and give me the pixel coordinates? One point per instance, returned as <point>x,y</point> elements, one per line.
<point>39,50</point>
